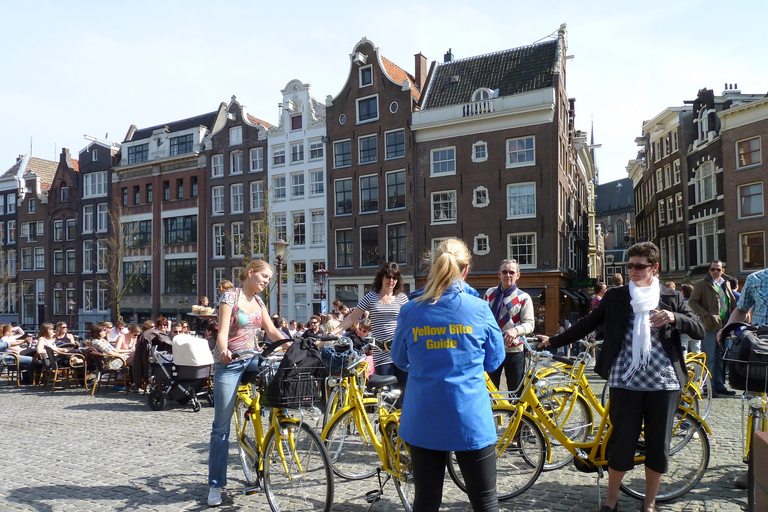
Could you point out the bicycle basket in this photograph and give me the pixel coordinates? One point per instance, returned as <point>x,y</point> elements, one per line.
<point>747,359</point>
<point>296,390</point>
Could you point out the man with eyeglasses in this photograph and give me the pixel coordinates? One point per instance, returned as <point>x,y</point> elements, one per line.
<point>713,300</point>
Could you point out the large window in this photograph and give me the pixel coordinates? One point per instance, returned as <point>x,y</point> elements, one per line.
<point>280,225</point>
<point>705,182</point>
<point>660,208</point>
<point>58,231</point>
<point>102,217</point>
<point>521,200</point>
<point>137,277</point>
<point>316,182</point>
<point>369,246</point>
<point>300,272</point>
<point>181,145</point>
<point>236,198</point>
<point>278,155</point>
<point>395,144</point>
<point>235,135</point>
<point>367,150</point>
<point>101,256</point>
<point>748,152</point>
<point>58,262</point>
<point>342,153</point>
<point>217,166</point>
<point>444,207</point>
<point>315,149</point>
<point>521,152</point>
<point>217,204</point>
<point>395,190</point>
<point>94,184</point>
<point>137,233</point>
<point>297,185</point>
<point>278,187</point>
<point>396,247</point>
<point>751,200</point>
<point>443,161</point>
<point>318,227</point>
<point>297,151</point>
<point>257,196</point>
<point>369,193</point>
<point>181,276</point>
<point>343,191</point>
<point>299,222</point>
<point>752,249</point>
<point>236,162</point>
<point>26,258</point>
<point>706,242</point>
<point>218,241</point>
<point>238,240</point>
<point>87,256</point>
<point>344,248</point>
<point>367,109</point>
<point>137,154</point>
<point>257,159</point>
<point>522,247</point>
<point>181,230</point>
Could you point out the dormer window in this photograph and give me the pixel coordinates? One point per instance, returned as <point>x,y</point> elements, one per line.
<point>703,122</point>
<point>64,194</point>
<point>94,154</point>
<point>482,94</point>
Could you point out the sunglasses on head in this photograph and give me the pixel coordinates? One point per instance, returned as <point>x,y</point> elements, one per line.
<point>639,266</point>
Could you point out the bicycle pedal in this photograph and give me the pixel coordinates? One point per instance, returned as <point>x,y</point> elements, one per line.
<point>372,496</point>
<point>250,491</point>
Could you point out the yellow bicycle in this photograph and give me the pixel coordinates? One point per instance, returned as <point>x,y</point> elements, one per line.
<point>278,450</point>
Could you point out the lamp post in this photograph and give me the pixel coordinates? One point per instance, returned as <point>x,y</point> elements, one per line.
<point>321,280</point>
<point>71,304</point>
<point>281,249</point>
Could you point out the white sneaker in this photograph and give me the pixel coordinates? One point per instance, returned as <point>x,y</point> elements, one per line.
<point>214,496</point>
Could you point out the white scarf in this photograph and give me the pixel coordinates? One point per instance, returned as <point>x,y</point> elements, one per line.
<point>644,299</point>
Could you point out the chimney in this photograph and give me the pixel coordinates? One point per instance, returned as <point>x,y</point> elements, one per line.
<point>448,57</point>
<point>420,73</point>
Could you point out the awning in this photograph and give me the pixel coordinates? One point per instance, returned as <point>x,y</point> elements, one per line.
<point>570,294</point>
<point>533,292</point>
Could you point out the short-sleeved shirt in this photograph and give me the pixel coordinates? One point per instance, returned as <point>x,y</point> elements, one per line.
<point>754,296</point>
<point>243,326</point>
<point>383,319</point>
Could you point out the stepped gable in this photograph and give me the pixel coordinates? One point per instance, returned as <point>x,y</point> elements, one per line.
<point>510,71</point>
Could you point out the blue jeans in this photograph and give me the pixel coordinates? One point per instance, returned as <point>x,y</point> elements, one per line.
<point>714,353</point>
<point>226,379</point>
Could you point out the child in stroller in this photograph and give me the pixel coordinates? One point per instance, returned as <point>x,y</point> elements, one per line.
<point>182,375</point>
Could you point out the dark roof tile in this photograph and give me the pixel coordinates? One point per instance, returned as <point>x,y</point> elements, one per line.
<point>510,71</point>
<point>206,120</point>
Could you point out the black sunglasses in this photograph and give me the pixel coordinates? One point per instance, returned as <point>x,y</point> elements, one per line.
<point>639,266</point>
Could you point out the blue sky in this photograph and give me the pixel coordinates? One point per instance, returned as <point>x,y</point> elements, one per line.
<point>86,67</point>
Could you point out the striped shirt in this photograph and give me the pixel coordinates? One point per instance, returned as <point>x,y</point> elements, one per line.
<point>383,319</point>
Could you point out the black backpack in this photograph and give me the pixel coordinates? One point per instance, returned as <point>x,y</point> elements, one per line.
<point>748,359</point>
<point>297,380</point>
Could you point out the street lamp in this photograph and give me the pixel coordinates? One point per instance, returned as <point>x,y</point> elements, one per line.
<point>72,304</point>
<point>281,249</point>
<point>321,280</point>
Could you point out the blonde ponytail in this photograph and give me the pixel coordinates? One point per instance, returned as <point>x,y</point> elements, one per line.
<point>450,260</point>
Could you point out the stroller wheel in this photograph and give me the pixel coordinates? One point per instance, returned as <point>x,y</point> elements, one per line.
<point>195,405</point>
<point>156,400</point>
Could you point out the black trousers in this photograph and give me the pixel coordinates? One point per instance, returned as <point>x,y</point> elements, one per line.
<point>629,410</point>
<point>478,468</point>
<point>514,367</point>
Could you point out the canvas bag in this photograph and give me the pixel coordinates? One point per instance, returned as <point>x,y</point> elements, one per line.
<point>296,380</point>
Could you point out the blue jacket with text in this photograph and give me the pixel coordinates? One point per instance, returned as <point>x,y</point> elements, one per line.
<point>446,347</point>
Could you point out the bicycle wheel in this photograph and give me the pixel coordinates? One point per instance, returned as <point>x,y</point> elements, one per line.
<point>701,385</point>
<point>572,414</point>
<point>297,471</point>
<point>688,460</point>
<point>605,395</point>
<point>336,401</point>
<point>246,442</point>
<point>521,461</point>
<point>350,449</point>
<point>401,463</point>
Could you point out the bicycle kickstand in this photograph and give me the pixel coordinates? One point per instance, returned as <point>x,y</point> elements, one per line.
<point>600,472</point>
<point>375,495</point>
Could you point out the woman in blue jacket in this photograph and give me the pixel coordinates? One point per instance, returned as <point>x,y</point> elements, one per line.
<point>446,339</point>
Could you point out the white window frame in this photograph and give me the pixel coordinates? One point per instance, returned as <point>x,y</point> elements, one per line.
<point>102,218</point>
<point>367,178</point>
<point>672,252</point>
<point>366,138</point>
<point>298,186</point>
<point>534,255</point>
<point>217,166</point>
<point>278,153</point>
<point>659,180</point>
<point>662,217</point>
<point>438,160</point>
<point>481,244</point>
<point>237,235</point>
<point>742,267</point>
<point>704,173</point>
<point>357,109</point>
<point>101,256</point>
<point>317,227</point>
<point>236,199</point>
<point>316,182</point>
<point>702,232</point>
<point>235,163</point>
<point>279,187</point>
<point>758,151</point>
<point>316,149</point>
<point>256,158</point>
<point>667,176</point>
<point>481,197</point>
<point>447,197</point>
<point>392,226</point>
<point>676,171</point>
<point>235,135</point>
<point>681,251</point>
<point>298,219</point>
<point>515,186</point>
<point>518,163</point>
<point>217,200</point>
<point>94,185</point>
<point>386,145</point>
<point>360,75</point>
<point>257,196</point>
<point>88,254</point>
<point>475,147</point>
<point>218,242</point>
<point>740,202</point>
<point>297,152</point>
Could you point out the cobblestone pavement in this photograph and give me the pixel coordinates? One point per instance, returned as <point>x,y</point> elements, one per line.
<point>69,451</point>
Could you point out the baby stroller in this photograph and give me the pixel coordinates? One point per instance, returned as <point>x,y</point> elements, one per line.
<point>182,376</point>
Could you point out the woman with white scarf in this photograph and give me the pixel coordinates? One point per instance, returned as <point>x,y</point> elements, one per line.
<point>642,359</point>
